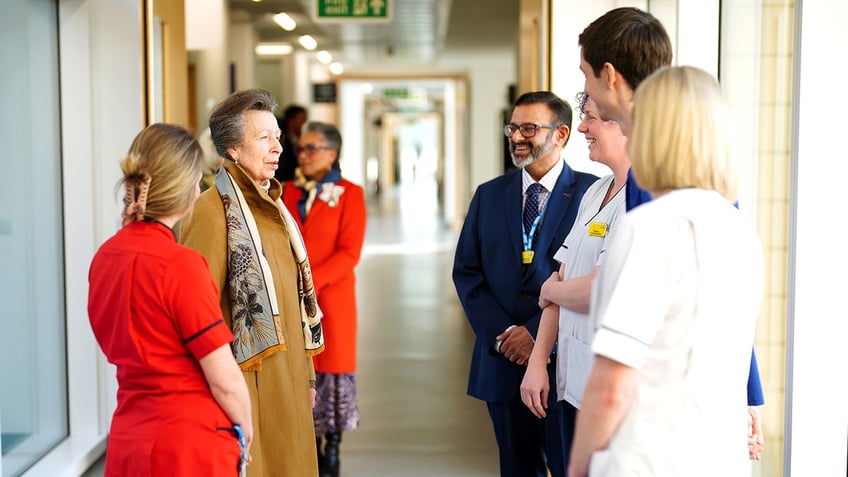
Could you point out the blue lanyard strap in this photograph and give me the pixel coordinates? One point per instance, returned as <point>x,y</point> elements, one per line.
<point>528,236</point>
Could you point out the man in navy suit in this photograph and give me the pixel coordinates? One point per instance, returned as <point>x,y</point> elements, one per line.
<point>505,252</point>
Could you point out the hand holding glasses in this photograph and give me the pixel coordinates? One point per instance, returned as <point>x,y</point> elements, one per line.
<point>527,130</point>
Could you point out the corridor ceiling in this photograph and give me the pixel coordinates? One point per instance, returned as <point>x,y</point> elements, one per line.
<point>418,30</point>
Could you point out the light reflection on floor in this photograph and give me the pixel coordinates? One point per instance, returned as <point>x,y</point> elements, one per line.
<point>414,350</point>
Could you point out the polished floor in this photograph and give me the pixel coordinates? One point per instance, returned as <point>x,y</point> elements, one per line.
<point>414,351</point>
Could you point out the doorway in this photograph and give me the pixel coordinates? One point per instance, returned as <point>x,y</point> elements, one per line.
<point>406,135</point>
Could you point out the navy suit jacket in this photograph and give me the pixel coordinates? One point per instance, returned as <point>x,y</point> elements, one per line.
<point>495,289</point>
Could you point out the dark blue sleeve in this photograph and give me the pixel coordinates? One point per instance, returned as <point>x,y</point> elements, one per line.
<point>755,388</point>
<point>481,303</point>
<point>634,195</point>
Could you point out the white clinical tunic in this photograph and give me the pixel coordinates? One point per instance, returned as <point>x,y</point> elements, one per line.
<point>582,251</point>
<point>677,299</point>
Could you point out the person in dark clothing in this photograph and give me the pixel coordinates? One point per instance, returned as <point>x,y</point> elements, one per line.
<point>290,123</point>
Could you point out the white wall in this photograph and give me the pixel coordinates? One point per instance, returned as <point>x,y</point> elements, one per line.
<point>268,77</point>
<point>284,77</point>
<point>740,81</point>
<point>489,76</point>
<point>205,20</point>
<point>352,126</point>
<point>205,35</point>
<point>816,387</point>
<point>242,41</point>
<point>569,20</point>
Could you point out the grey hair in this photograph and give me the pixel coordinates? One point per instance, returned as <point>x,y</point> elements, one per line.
<point>331,135</point>
<point>226,123</point>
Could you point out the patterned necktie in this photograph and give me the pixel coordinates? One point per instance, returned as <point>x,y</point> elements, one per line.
<point>531,205</point>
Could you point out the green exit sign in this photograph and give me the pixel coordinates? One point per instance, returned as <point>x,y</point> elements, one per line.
<point>360,10</point>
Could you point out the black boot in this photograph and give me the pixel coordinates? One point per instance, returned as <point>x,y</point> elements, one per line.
<point>322,459</point>
<point>331,455</point>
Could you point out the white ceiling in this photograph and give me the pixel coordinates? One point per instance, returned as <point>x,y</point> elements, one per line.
<point>418,31</point>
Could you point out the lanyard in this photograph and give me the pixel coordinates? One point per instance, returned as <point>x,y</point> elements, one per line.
<point>528,236</point>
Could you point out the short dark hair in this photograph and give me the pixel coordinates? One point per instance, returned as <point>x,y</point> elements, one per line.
<point>559,107</point>
<point>226,123</point>
<point>631,40</point>
<point>292,111</point>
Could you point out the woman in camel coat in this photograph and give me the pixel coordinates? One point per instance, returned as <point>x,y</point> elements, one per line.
<point>261,286</point>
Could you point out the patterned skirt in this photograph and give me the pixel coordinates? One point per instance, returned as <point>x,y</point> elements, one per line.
<point>336,407</point>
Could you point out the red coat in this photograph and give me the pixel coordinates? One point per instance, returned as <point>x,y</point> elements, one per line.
<point>334,237</point>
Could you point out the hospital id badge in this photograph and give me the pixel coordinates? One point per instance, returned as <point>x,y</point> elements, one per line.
<point>598,229</point>
<point>527,257</point>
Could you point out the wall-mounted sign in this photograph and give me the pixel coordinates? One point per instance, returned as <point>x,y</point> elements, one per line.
<point>353,10</point>
<point>324,93</point>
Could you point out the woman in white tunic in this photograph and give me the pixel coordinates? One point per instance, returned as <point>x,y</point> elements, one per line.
<point>564,297</point>
<point>676,302</point>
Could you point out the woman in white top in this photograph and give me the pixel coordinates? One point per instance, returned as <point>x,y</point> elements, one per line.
<point>564,297</point>
<point>677,300</point>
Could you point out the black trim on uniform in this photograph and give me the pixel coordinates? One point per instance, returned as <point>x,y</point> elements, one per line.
<point>204,330</point>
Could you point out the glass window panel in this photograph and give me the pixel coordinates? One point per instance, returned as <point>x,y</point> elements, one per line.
<point>33,376</point>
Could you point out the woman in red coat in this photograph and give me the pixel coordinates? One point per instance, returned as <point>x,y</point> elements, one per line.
<point>153,307</point>
<point>331,214</point>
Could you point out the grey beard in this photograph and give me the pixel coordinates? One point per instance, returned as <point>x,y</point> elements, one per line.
<point>524,163</point>
<point>535,153</point>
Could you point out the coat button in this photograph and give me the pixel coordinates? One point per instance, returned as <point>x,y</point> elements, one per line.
<point>523,296</point>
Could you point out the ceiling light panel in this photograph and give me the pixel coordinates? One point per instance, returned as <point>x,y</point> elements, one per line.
<point>308,42</point>
<point>272,49</point>
<point>285,21</point>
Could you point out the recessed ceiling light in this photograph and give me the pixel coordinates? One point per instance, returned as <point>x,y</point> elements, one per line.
<point>286,22</point>
<point>270,49</point>
<point>324,57</point>
<point>307,42</point>
<point>336,68</point>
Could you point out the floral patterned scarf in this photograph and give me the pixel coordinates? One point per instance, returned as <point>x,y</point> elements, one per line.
<point>255,313</point>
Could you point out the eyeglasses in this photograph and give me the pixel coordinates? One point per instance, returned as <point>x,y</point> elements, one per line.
<point>310,149</point>
<point>527,130</point>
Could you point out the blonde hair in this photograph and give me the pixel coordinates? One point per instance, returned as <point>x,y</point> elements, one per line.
<point>161,171</point>
<point>681,133</point>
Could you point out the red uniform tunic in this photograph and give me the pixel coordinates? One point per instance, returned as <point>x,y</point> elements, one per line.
<point>154,310</point>
<point>333,235</point>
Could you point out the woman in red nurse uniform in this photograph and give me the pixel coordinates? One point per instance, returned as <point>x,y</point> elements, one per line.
<point>153,307</point>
